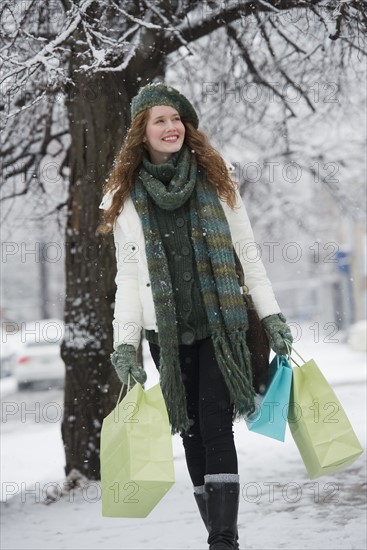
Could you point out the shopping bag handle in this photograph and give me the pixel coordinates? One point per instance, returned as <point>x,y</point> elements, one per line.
<point>288,344</point>
<point>290,350</point>
<point>128,386</point>
<point>286,355</point>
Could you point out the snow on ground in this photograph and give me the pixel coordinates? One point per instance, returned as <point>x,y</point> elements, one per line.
<point>280,507</point>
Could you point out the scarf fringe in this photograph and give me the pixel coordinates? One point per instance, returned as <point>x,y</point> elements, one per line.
<point>234,361</point>
<point>173,391</point>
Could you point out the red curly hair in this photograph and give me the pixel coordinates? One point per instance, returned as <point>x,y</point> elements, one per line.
<point>127,162</point>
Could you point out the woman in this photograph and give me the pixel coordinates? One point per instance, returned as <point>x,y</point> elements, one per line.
<point>176,217</point>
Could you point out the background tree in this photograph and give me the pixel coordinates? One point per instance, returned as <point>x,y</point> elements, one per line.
<point>70,70</point>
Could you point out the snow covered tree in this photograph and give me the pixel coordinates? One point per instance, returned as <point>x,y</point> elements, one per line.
<point>70,69</point>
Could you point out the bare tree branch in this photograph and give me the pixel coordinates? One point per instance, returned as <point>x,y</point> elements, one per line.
<point>168,26</point>
<point>47,52</point>
<point>282,71</point>
<point>251,65</point>
<point>230,14</point>
<point>287,39</point>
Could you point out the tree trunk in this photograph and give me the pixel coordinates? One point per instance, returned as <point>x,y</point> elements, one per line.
<point>98,118</point>
<point>99,114</point>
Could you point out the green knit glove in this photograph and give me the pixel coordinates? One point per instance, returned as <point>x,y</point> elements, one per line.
<point>278,331</point>
<point>124,361</point>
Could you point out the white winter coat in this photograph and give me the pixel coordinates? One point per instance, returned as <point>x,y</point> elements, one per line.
<point>134,306</point>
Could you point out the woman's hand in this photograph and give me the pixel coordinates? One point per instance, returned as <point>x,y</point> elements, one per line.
<point>125,363</point>
<point>278,333</point>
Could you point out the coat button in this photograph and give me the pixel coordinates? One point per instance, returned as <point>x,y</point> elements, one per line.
<point>186,306</point>
<point>187,276</point>
<point>180,222</point>
<point>187,337</point>
<point>148,284</point>
<point>185,250</point>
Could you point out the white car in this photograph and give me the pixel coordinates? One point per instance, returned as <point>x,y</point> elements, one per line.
<point>8,384</point>
<point>38,358</point>
<point>357,336</point>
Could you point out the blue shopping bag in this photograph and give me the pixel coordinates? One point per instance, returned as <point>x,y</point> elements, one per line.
<point>270,416</point>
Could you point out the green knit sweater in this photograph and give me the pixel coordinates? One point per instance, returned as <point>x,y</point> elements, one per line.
<point>175,230</point>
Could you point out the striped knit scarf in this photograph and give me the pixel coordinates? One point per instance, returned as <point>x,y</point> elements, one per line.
<point>213,250</point>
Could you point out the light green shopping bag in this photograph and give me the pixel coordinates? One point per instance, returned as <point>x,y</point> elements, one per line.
<point>136,454</point>
<point>318,423</point>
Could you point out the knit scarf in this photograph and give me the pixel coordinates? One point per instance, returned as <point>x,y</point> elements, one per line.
<point>213,252</point>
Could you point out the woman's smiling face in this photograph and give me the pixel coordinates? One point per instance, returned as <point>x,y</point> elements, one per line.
<point>164,133</point>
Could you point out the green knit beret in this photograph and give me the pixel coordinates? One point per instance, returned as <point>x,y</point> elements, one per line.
<point>160,94</point>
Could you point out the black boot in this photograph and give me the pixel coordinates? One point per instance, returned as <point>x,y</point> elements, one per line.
<point>222,502</point>
<point>201,503</point>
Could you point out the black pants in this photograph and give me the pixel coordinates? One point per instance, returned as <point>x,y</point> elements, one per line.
<point>209,443</point>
